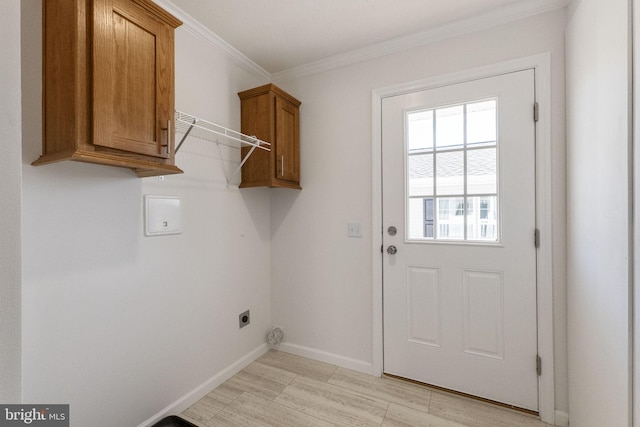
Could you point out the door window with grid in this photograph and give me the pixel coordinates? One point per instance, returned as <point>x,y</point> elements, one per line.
<point>452,172</point>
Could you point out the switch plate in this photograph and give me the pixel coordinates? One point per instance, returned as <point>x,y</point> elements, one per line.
<point>354,229</point>
<point>163,215</point>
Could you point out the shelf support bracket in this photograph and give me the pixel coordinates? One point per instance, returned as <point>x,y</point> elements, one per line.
<point>212,132</point>
<point>246,157</point>
<point>186,134</point>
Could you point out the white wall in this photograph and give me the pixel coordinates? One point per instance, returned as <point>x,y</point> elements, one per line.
<point>120,325</point>
<point>598,138</point>
<point>10,205</point>
<point>636,216</point>
<point>322,280</point>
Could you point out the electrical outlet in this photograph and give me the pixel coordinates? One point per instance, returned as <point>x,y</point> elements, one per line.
<point>244,319</point>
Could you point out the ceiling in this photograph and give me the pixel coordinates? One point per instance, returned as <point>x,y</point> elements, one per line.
<point>279,35</point>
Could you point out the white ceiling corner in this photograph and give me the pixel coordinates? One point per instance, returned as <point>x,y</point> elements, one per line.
<point>205,34</point>
<point>282,39</point>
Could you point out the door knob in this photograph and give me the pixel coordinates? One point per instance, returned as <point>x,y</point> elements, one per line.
<point>392,250</point>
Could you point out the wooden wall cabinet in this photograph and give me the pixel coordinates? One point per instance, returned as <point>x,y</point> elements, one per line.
<point>271,114</point>
<point>108,84</point>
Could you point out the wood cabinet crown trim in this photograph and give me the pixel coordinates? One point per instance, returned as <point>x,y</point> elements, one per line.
<point>159,13</point>
<point>261,90</point>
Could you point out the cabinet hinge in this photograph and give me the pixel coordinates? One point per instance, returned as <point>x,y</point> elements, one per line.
<point>536,112</point>
<point>536,238</point>
<point>538,365</point>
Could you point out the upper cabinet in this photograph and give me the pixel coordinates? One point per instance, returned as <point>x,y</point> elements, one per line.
<point>108,77</point>
<point>271,114</point>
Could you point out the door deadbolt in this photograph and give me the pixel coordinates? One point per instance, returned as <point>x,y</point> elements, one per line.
<point>392,231</point>
<point>392,250</point>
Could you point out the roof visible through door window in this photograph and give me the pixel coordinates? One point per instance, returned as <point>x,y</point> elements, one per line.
<point>452,172</point>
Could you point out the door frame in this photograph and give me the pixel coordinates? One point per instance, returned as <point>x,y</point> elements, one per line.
<point>541,64</point>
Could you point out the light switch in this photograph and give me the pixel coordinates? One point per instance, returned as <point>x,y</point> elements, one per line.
<point>354,229</point>
<point>163,215</point>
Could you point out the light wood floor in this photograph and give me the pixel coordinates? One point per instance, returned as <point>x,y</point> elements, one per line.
<point>280,389</point>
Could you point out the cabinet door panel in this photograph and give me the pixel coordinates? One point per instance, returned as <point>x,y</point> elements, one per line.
<point>287,156</point>
<point>134,109</point>
<point>128,55</point>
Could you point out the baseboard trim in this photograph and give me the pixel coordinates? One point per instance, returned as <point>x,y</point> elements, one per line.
<point>562,419</point>
<point>199,392</point>
<point>323,356</point>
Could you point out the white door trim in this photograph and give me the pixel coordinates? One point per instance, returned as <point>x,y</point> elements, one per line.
<point>542,66</point>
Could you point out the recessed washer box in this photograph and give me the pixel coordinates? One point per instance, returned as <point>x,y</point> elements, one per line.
<point>163,215</point>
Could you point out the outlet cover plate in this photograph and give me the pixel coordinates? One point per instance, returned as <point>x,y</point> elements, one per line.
<point>244,319</point>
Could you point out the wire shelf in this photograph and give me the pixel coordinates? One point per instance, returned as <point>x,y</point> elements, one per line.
<point>189,125</point>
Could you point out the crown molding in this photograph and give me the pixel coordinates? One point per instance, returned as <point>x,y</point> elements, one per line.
<point>194,27</point>
<point>500,16</point>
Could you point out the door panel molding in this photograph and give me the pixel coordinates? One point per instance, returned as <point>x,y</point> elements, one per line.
<point>483,314</point>
<point>541,64</point>
<point>423,284</point>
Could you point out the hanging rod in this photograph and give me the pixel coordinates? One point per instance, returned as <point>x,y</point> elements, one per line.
<point>187,125</point>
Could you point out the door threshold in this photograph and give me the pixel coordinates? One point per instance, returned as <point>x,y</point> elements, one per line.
<point>468,396</point>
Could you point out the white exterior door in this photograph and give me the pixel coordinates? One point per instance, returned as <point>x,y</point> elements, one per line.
<point>459,279</point>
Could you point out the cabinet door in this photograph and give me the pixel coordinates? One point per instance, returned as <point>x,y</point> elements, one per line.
<point>133,75</point>
<point>287,141</point>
